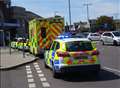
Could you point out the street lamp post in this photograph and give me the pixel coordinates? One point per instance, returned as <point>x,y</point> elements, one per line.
<point>88,18</point>
<point>87,5</point>
<point>69,3</point>
<point>9,35</point>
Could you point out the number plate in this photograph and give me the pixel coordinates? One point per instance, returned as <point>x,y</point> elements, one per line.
<point>82,57</point>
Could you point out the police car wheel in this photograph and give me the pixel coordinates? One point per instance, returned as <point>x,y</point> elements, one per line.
<point>96,73</point>
<point>55,74</point>
<point>45,65</point>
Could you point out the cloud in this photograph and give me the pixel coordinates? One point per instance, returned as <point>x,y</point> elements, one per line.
<point>47,8</point>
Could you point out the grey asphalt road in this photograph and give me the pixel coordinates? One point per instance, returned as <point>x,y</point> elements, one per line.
<point>109,76</point>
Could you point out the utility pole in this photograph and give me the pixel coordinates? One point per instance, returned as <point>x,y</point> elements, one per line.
<point>9,35</point>
<point>69,3</point>
<point>87,5</point>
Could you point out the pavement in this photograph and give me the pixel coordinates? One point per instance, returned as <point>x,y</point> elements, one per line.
<point>15,59</point>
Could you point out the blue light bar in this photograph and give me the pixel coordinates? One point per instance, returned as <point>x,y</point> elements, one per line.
<point>65,35</point>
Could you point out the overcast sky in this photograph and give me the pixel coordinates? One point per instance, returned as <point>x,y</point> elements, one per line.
<point>47,8</point>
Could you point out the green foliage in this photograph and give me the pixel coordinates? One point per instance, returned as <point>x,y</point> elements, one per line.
<point>105,23</point>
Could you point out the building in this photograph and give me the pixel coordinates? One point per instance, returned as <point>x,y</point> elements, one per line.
<point>7,25</point>
<point>23,18</point>
<point>5,9</point>
<point>13,21</point>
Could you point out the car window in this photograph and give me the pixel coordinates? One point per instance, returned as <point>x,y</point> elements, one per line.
<point>95,34</point>
<point>116,34</point>
<point>107,34</point>
<point>57,46</point>
<point>80,35</point>
<point>52,46</point>
<point>86,34</point>
<point>78,46</point>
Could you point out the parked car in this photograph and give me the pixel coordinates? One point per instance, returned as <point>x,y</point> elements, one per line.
<point>80,35</point>
<point>112,37</point>
<point>72,55</point>
<point>94,36</point>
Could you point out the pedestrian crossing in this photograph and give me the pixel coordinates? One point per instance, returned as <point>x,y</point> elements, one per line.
<point>40,75</point>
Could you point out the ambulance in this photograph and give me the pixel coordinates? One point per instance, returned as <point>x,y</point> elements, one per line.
<point>72,55</point>
<point>43,31</point>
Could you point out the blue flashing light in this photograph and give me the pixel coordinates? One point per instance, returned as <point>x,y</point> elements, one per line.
<point>65,35</point>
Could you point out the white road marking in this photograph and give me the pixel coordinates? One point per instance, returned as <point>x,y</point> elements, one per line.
<point>39,71</point>
<point>40,75</point>
<point>31,80</point>
<point>32,85</point>
<point>43,79</point>
<point>29,76</point>
<point>112,69</point>
<point>27,66</point>
<point>37,68</point>
<point>45,84</point>
<point>29,72</point>
<point>28,69</point>
<point>35,63</point>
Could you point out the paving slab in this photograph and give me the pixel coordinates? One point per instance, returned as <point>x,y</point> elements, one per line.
<point>14,59</point>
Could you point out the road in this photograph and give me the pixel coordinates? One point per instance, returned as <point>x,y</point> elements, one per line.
<point>34,75</point>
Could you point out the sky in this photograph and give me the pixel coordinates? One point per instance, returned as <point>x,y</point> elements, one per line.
<point>48,8</point>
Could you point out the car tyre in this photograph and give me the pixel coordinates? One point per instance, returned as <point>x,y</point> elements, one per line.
<point>103,42</point>
<point>96,73</point>
<point>45,65</point>
<point>115,43</point>
<point>55,74</point>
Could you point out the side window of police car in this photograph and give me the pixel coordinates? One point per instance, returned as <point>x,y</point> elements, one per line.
<point>52,46</point>
<point>57,46</point>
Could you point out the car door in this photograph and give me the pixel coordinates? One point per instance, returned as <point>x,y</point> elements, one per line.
<point>104,37</point>
<point>109,38</point>
<point>51,54</point>
<point>48,54</point>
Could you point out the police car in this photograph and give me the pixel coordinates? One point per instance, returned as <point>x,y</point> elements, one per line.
<point>72,55</point>
<point>24,43</point>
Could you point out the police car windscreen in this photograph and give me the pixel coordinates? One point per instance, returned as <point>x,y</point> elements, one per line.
<point>78,46</point>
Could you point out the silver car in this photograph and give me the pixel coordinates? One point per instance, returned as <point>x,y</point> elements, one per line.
<point>112,37</point>
<point>94,36</point>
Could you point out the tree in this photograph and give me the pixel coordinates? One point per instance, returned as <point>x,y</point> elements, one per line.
<point>105,23</point>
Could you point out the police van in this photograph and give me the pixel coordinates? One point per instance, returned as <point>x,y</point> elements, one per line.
<point>72,55</point>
